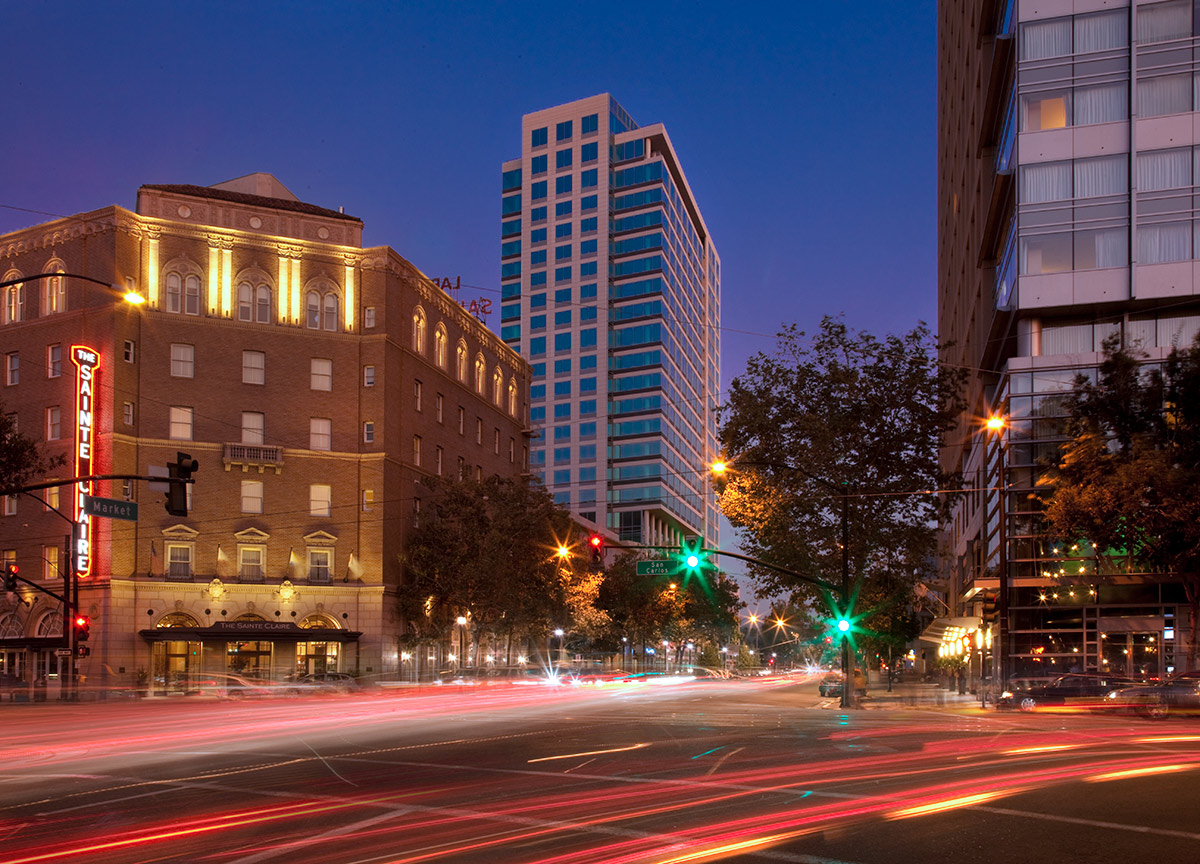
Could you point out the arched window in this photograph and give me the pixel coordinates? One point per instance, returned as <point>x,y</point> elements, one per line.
<point>254,303</point>
<point>177,619</point>
<point>14,299</point>
<point>480,373</point>
<point>329,321</point>
<point>497,387</point>
<point>439,345</point>
<point>460,362</point>
<point>512,397</point>
<point>54,295</point>
<point>418,330</point>
<point>183,292</point>
<point>313,309</point>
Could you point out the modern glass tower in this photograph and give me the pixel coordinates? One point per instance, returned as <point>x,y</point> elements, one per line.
<point>1069,187</point>
<point>611,288</point>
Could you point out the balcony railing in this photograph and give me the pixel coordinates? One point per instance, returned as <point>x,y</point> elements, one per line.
<point>260,456</point>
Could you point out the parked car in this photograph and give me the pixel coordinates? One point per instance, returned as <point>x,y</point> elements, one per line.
<point>1178,695</point>
<point>1074,691</point>
<point>225,686</point>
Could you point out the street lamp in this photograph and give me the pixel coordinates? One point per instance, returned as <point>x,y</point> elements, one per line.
<point>997,424</point>
<point>461,621</point>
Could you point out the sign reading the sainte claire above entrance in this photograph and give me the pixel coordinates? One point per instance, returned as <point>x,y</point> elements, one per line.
<point>110,508</point>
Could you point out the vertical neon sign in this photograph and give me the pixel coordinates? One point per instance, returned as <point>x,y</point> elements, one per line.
<point>87,361</point>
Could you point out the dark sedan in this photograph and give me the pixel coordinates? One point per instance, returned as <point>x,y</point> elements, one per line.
<point>1074,691</point>
<point>1178,695</point>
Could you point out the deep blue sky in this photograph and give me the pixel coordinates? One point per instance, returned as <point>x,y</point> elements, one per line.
<point>807,129</point>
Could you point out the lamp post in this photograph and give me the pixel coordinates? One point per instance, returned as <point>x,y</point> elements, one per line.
<point>997,424</point>
<point>461,621</point>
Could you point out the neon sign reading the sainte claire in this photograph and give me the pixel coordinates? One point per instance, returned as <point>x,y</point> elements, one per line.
<point>87,361</point>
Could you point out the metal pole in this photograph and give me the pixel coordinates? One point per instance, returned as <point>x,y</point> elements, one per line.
<point>847,664</point>
<point>1001,645</point>
<point>68,616</point>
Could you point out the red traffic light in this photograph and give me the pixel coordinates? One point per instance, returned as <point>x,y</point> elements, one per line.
<point>596,540</point>
<point>82,624</point>
<point>597,544</point>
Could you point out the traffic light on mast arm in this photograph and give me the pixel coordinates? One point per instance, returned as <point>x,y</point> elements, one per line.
<point>82,625</point>
<point>596,545</point>
<point>180,474</point>
<point>693,556</point>
<point>10,577</point>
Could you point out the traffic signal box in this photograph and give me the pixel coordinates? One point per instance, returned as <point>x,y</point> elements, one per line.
<point>10,577</point>
<point>693,556</point>
<point>596,545</point>
<point>82,625</point>
<point>179,473</point>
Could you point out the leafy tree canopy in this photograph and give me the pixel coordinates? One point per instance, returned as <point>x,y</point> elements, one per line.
<point>838,418</point>
<point>21,458</point>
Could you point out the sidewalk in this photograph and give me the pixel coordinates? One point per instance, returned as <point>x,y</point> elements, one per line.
<point>916,695</point>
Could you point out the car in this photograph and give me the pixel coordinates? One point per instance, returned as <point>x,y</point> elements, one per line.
<point>1178,695</point>
<point>224,686</point>
<point>1073,691</point>
<point>831,684</point>
<point>323,682</point>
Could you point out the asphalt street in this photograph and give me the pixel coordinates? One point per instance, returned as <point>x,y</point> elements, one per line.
<point>757,770</point>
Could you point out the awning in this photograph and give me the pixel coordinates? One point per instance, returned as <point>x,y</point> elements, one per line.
<point>936,631</point>
<point>223,632</point>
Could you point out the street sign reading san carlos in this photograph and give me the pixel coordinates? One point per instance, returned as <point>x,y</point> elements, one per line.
<point>658,567</point>
<point>110,508</point>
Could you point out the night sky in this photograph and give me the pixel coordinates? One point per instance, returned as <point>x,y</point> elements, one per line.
<point>807,129</point>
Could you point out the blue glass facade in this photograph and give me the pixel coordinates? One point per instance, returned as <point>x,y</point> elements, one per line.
<point>631,327</point>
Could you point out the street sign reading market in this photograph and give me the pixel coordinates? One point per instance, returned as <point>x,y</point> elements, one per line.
<point>110,508</point>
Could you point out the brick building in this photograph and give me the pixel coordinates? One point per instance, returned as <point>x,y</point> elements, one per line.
<point>316,381</point>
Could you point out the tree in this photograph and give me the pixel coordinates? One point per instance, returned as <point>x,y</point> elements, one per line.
<point>21,458</point>
<point>485,550</point>
<point>839,419</point>
<point>1127,482</point>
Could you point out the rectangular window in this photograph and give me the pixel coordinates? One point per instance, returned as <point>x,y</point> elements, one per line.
<point>12,369</point>
<point>128,351</point>
<point>537,191</point>
<point>1164,94</point>
<point>562,159</point>
<point>589,124</point>
<point>1162,22</point>
<point>537,214</point>
<point>10,505</point>
<point>50,498</point>
<point>180,423</point>
<point>1045,110</point>
<point>179,561</point>
<point>562,274</point>
<point>320,499</point>
<point>127,413</point>
<point>588,203</point>
<point>251,563</point>
<point>253,428</point>
<point>368,376</point>
<point>50,563</point>
<point>368,500</point>
<point>369,316</point>
<point>478,430</point>
<point>321,374</point>
<point>589,153</point>
<point>562,231</point>
<point>562,185</point>
<point>182,360</point>
<point>496,442</point>
<point>562,318</point>
<point>1163,243</point>
<point>538,137</point>
<point>462,421</point>
<point>537,165</point>
<point>588,179</point>
<point>562,253</point>
<point>416,450</point>
<point>418,398</point>
<point>254,367</point>
<point>53,423</point>
<point>320,433</point>
<point>438,456</point>
<point>437,407</point>
<point>562,132</point>
<point>252,496</point>
<point>320,566</point>
<point>562,209</point>
<point>53,361</point>
<point>510,228</point>
<point>368,432</point>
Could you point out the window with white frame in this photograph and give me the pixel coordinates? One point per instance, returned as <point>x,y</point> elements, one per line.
<point>439,345</point>
<point>496,441</point>
<point>127,413</point>
<point>438,455</point>
<point>254,367</point>
<point>368,500</point>
<point>416,450</point>
<point>14,304</point>
<point>321,306</point>
<point>320,499</point>
<point>480,373</point>
<point>53,360</point>
<point>179,561</point>
<point>254,303</point>
<point>462,421</point>
<point>369,317</point>
<point>437,406</point>
<point>252,496</point>
<point>460,361</point>
<point>181,423</point>
<point>183,293</point>
<point>478,430</point>
<point>320,433</point>
<point>50,498</point>
<point>416,513</point>
<point>321,374</point>
<point>368,376</point>
<point>418,330</point>
<point>182,360</point>
<point>320,565</point>
<point>512,397</point>
<point>368,432</point>
<point>12,368</point>
<point>252,562</point>
<point>10,505</point>
<point>497,387</point>
<point>53,423</point>
<point>129,351</point>
<point>418,393</point>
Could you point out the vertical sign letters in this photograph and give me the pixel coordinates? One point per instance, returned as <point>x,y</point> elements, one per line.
<point>86,361</point>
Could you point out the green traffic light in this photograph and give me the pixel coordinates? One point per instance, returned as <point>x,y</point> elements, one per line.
<point>693,561</point>
<point>843,625</point>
